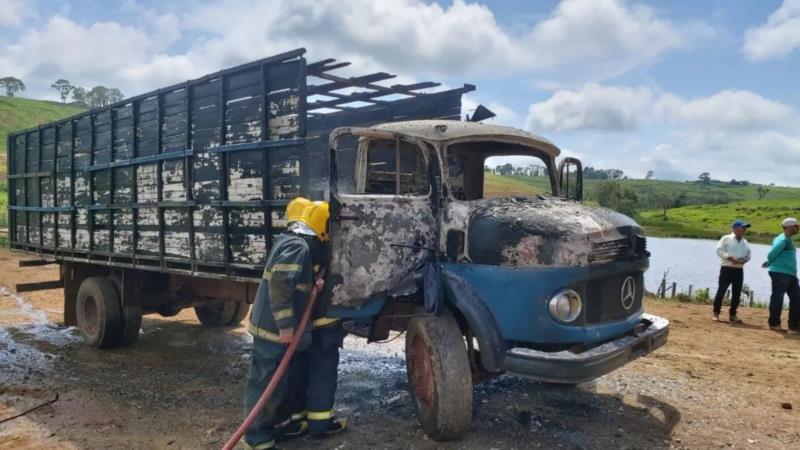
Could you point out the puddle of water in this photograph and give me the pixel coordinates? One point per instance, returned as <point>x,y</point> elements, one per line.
<point>19,355</point>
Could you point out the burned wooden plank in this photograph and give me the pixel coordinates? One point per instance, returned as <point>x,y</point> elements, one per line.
<point>36,262</point>
<point>39,286</point>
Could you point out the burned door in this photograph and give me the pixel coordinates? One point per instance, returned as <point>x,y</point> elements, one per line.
<point>382,222</point>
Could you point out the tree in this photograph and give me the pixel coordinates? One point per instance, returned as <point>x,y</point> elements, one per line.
<point>98,96</point>
<point>64,88</point>
<point>614,196</point>
<point>79,95</point>
<point>665,202</point>
<point>704,178</point>
<point>590,173</point>
<point>12,85</point>
<point>115,95</point>
<point>649,175</point>
<point>505,169</point>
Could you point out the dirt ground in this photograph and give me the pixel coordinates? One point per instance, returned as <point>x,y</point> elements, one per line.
<point>713,385</point>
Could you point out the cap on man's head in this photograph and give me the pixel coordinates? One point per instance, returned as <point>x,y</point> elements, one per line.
<point>740,224</point>
<point>789,222</point>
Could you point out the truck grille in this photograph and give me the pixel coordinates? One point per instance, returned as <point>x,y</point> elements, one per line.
<point>614,249</point>
<point>610,250</point>
<point>641,246</point>
<point>604,298</point>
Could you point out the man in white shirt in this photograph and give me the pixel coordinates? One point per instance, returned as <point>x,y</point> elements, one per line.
<point>734,253</point>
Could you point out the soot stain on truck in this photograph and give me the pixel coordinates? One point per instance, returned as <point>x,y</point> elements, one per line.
<point>540,231</point>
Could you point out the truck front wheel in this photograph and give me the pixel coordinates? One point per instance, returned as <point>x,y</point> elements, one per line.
<point>439,376</point>
<point>221,314</point>
<point>98,312</point>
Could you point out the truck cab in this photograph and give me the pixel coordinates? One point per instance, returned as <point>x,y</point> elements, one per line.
<point>539,286</point>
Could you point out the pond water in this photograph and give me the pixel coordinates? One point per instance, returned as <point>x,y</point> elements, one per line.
<point>695,262</point>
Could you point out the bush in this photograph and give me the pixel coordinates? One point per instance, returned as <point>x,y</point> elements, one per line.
<point>702,294</point>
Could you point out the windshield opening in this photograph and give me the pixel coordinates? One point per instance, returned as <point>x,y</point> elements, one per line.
<point>490,169</point>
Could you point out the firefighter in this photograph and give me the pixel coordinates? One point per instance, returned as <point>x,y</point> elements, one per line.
<point>280,301</point>
<point>321,377</point>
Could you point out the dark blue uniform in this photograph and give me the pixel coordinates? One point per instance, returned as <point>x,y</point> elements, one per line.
<point>308,388</point>
<point>280,301</point>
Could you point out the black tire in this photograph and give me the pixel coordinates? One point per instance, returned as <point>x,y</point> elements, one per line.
<point>221,314</point>
<point>439,376</point>
<point>169,310</point>
<point>130,317</point>
<point>98,312</point>
<point>131,324</point>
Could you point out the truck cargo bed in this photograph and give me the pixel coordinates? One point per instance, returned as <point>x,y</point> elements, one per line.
<point>194,178</point>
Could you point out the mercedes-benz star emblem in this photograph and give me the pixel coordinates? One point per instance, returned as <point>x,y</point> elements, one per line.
<point>628,293</point>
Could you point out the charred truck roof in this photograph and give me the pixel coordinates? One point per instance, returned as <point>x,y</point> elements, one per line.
<point>444,131</point>
<point>524,231</point>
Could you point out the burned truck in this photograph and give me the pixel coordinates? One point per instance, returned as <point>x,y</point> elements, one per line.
<point>170,200</point>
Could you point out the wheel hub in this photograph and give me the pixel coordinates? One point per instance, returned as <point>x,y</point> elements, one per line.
<point>422,372</point>
<point>90,315</point>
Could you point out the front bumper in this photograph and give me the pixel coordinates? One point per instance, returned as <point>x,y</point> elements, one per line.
<point>568,367</point>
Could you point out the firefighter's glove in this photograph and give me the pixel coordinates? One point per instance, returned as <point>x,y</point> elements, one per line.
<point>285,335</point>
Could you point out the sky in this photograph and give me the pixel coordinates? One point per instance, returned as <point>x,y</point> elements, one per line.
<point>679,87</point>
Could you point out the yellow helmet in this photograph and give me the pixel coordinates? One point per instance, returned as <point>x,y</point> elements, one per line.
<point>294,210</point>
<point>316,217</point>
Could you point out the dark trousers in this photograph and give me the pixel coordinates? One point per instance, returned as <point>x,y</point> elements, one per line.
<point>323,374</point>
<point>729,276</point>
<point>265,358</point>
<point>784,284</point>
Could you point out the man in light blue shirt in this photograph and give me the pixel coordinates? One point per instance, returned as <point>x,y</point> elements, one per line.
<point>782,261</point>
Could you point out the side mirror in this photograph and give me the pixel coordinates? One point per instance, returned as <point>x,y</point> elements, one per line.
<point>570,175</point>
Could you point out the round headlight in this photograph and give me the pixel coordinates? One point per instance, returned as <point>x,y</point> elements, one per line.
<point>565,306</point>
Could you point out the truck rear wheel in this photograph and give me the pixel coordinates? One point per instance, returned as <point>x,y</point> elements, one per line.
<point>439,376</point>
<point>99,313</point>
<point>130,317</point>
<point>131,324</point>
<point>221,314</point>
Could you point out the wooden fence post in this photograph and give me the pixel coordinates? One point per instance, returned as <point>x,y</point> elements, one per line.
<point>674,287</point>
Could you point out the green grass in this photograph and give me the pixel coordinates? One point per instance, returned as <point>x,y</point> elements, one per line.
<point>648,191</point>
<point>712,221</point>
<point>18,114</point>
<point>506,186</point>
<point>713,209</point>
<point>21,113</point>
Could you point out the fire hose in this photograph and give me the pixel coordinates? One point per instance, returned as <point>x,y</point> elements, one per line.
<point>281,370</point>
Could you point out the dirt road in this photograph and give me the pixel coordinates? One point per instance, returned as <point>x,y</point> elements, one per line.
<point>180,386</point>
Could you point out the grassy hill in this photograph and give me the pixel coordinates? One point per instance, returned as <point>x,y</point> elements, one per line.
<point>504,186</point>
<point>648,190</point>
<point>712,221</point>
<point>712,207</point>
<point>20,113</point>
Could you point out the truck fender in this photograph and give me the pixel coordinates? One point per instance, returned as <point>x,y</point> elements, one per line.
<point>478,316</point>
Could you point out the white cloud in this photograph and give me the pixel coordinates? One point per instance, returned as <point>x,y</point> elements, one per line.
<point>12,12</point>
<point>591,107</point>
<point>726,109</point>
<point>404,35</point>
<point>776,38</point>
<point>102,53</point>
<point>608,33</point>
<point>601,107</point>
<point>732,133</point>
<point>579,41</point>
<point>667,163</point>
